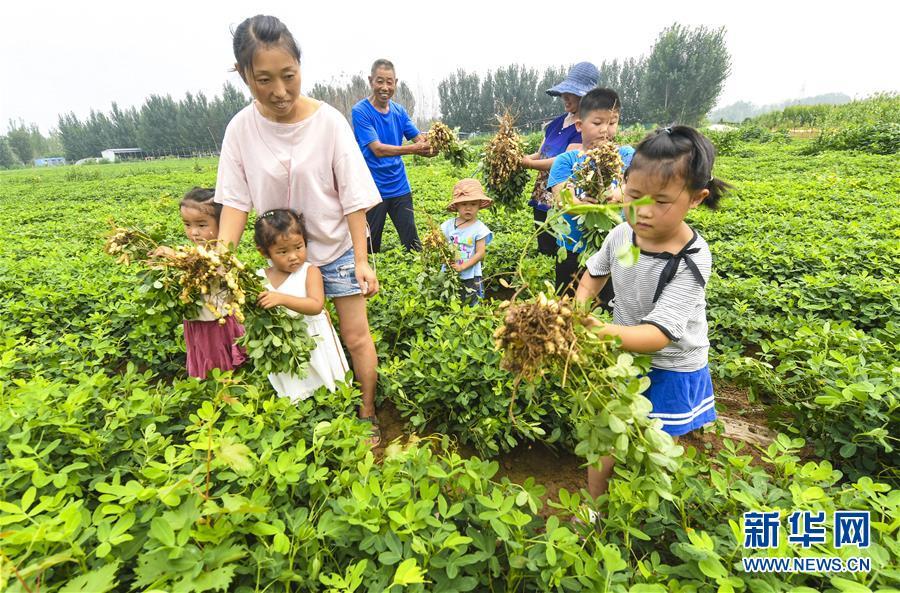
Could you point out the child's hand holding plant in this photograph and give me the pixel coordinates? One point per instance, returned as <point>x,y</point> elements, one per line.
<point>268,299</point>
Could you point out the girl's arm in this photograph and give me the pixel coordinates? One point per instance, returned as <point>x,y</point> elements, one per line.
<point>480,248</point>
<point>365,275</point>
<point>231,225</point>
<point>161,251</point>
<point>589,287</point>
<point>644,338</point>
<point>312,304</point>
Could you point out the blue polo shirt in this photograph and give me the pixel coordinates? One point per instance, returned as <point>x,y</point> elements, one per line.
<point>392,127</point>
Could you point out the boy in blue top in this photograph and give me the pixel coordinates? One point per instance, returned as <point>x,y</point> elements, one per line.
<point>468,235</point>
<point>380,125</point>
<point>598,122</point>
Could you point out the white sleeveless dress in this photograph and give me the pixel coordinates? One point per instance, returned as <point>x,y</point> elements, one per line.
<point>327,363</point>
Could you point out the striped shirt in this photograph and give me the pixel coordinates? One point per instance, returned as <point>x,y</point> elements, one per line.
<point>676,307</point>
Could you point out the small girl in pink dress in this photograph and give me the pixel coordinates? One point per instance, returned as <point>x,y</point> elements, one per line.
<point>209,343</point>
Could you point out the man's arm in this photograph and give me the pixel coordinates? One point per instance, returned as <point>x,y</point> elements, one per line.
<point>366,135</point>
<point>385,150</point>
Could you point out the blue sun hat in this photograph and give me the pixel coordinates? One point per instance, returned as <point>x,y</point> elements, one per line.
<point>583,77</point>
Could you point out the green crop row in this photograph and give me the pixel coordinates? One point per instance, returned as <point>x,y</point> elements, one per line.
<point>123,483</point>
<point>115,473</point>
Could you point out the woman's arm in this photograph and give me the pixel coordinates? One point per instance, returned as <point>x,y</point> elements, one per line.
<point>231,225</point>
<point>533,162</point>
<point>480,248</point>
<point>365,275</point>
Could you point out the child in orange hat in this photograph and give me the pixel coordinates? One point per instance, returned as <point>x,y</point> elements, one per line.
<point>468,234</point>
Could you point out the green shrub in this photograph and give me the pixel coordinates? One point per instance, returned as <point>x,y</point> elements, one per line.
<point>632,135</point>
<point>880,138</point>
<point>451,382</point>
<point>879,108</point>
<point>726,142</point>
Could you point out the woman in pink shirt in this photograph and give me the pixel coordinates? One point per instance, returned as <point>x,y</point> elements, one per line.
<point>286,150</point>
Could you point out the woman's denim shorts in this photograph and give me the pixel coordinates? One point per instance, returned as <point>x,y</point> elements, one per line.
<point>339,276</point>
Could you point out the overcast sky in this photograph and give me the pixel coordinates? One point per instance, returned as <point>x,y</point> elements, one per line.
<point>77,55</point>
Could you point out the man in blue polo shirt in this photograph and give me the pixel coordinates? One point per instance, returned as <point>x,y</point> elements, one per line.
<point>380,125</point>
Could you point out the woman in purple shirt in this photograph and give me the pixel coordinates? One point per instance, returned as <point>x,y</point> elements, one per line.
<point>558,135</point>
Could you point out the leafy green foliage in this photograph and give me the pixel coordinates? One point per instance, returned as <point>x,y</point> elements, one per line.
<point>117,483</point>
<point>117,476</point>
<point>277,342</point>
<point>211,486</point>
<point>880,138</point>
<point>475,405</point>
<point>881,107</point>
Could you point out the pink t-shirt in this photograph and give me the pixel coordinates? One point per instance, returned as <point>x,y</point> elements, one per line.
<point>313,166</point>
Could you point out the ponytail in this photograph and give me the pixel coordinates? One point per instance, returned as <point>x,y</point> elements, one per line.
<point>717,189</point>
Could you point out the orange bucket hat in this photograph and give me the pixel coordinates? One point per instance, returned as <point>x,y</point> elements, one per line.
<point>468,190</point>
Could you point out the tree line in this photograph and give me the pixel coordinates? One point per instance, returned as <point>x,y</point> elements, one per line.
<point>22,143</point>
<point>160,125</point>
<point>678,82</point>
<point>741,110</point>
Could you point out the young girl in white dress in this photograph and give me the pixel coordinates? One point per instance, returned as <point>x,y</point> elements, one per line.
<point>296,285</point>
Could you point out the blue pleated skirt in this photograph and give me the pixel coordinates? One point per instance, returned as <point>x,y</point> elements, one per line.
<point>683,401</point>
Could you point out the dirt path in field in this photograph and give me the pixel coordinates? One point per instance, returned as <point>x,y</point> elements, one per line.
<point>740,419</point>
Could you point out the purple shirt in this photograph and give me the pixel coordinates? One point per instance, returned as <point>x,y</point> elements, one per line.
<point>556,140</point>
